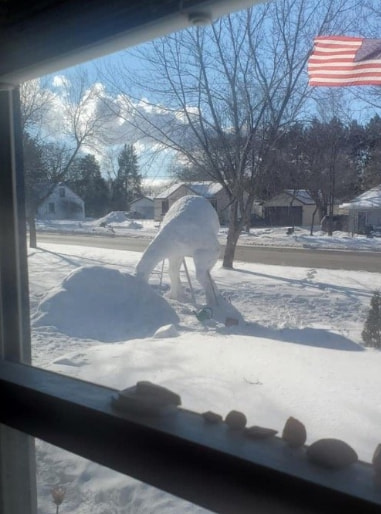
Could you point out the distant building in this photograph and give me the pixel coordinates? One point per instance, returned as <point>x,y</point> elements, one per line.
<point>364,211</point>
<point>144,207</point>
<point>212,191</point>
<point>293,207</point>
<point>61,203</point>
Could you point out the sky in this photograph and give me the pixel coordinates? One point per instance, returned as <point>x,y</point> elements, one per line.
<point>297,351</point>
<point>119,67</point>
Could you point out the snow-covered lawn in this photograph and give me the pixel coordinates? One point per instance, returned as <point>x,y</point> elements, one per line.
<point>117,224</point>
<point>298,353</point>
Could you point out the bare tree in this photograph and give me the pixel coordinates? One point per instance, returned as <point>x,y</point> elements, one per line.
<point>62,123</point>
<point>221,96</point>
<point>36,101</point>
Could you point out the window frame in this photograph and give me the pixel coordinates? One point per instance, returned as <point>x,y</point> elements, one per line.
<point>180,453</point>
<point>175,454</point>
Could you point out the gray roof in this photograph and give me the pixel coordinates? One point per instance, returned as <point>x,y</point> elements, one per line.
<point>301,194</point>
<point>144,197</point>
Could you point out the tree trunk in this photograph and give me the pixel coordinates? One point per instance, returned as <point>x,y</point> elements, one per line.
<point>313,221</point>
<point>32,232</point>
<point>234,231</point>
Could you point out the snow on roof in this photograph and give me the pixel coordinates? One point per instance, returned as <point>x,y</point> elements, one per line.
<point>369,200</point>
<point>169,190</point>
<point>300,194</point>
<point>207,189</point>
<point>144,197</point>
<point>48,188</point>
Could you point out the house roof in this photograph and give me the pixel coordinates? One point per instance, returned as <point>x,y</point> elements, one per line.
<point>301,195</point>
<point>207,189</point>
<point>46,189</point>
<point>369,200</point>
<point>144,197</point>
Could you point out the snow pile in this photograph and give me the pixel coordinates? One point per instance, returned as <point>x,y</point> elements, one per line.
<point>104,304</point>
<point>112,217</point>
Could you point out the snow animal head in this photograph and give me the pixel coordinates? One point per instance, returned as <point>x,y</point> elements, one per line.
<point>189,229</point>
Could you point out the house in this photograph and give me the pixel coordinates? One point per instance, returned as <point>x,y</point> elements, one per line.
<point>213,191</point>
<point>62,203</point>
<point>143,206</point>
<point>291,207</point>
<point>364,211</point>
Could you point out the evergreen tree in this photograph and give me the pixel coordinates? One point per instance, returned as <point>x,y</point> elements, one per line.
<point>34,163</point>
<point>372,173</point>
<point>86,180</point>
<point>127,184</point>
<point>371,334</point>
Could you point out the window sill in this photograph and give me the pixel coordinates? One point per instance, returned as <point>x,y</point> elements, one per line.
<point>207,464</point>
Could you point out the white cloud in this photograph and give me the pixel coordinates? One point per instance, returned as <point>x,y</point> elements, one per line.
<point>60,81</point>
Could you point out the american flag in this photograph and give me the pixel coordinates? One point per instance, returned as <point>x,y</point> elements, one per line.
<point>345,61</point>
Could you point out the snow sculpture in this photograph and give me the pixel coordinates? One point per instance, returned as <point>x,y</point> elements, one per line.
<point>189,229</point>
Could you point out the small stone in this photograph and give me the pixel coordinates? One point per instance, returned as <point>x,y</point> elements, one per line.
<point>376,461</point>
<point>211,417</point>
<point>331,453</point>
<point>236,420</point>
<point>147,398</point>
<point>294,433</point>
<point>260,432</point>
<point>154,393</point>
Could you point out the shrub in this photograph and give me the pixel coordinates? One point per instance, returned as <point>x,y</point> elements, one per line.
<point>371,334</point>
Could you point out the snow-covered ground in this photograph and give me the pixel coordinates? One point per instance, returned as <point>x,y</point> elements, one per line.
<point>117,224</point>
<point>298,352</point>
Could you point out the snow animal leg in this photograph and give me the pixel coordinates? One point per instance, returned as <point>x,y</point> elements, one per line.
<point>176,290</point>
<point>153,254</point>
<point>204,260</point>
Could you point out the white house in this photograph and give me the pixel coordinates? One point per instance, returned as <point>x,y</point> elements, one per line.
<point>62,203</point>
<point>364,211</point>
<point>144,206</point>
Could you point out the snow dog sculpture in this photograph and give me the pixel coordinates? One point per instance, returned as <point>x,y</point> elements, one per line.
<point>189,229</point>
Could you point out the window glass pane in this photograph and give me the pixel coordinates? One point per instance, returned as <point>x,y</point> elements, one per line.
<point>258,296</point>
<point>68,483</point>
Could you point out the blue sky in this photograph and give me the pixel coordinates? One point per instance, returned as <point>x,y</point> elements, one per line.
<point>158,168</point>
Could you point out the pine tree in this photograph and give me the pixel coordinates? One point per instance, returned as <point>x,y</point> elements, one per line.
<point>127,184</point>
<point>371,334</point>
<point>86,180</point>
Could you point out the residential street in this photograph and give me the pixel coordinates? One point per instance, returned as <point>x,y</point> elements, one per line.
<point>310,258</point>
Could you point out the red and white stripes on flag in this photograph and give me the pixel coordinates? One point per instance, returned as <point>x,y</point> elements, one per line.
<point>345,61</point>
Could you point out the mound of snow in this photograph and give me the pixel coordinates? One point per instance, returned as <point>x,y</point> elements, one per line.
<point>112,217</point>
<point>131,224</point>
<point>104,304</point>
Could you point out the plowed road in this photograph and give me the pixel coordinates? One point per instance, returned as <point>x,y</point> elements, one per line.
<point>309,258</point>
